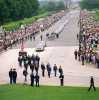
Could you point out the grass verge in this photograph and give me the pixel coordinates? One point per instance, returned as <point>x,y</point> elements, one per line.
<point>20,92</point>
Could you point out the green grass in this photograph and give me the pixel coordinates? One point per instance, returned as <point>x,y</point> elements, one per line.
<point>20,92</point>
<point>97,15</point>
<point>25,21</point>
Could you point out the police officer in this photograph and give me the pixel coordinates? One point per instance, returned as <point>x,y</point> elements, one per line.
<point>32,77</point>
<point>37,80</point>
<point>92,84</point>
<point>61,80</point>
<point>43,69</point>
<point>14,76</point>
<point>11,76</point>
<point>55,69</point>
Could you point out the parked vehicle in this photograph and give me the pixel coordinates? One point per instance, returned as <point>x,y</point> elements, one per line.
<point>41,46</point>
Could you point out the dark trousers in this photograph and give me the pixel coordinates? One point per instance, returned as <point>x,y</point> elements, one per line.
<point>92,86</point>
<point>62,82</point>
<point>32,83</point>
<point>75,57</point>
<point>82,62</point>
<point>11,80</point>
<point>55,73</point>
<point>37,83</point>
<point>49,74</point>
<point>43,73</point>
<point>14,80</point>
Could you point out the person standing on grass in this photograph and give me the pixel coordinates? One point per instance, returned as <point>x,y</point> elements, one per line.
<point>92,84</point>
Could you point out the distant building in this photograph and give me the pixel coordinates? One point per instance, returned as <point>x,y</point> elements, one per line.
<point>67,3</point>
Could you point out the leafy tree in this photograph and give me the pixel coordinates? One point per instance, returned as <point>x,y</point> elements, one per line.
<point>89,4</point>
<point>11,10</point>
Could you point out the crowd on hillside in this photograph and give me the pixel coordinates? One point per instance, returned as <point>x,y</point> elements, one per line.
<point>30,30</point>
<point>88,39</point>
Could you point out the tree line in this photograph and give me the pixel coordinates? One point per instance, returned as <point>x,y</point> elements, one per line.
<point>89,4</point>
<point>11,10</point>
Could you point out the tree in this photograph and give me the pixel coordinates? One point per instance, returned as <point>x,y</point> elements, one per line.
<point>11,10</point>
<point>89,4</point>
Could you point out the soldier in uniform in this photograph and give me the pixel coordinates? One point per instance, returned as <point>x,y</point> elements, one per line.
<point>55,69</point>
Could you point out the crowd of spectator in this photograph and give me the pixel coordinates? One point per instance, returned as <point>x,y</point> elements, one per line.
<point>88,39</point>
<point>28,31</point>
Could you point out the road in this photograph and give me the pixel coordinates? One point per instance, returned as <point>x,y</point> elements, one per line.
<point>66,38</point>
